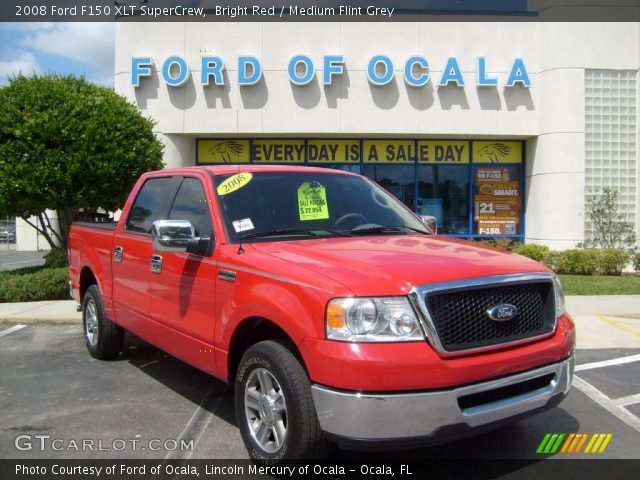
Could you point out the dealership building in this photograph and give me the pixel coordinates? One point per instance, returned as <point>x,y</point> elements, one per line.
<point>497,129</point>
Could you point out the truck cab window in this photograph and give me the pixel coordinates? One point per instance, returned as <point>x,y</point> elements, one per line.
<point>191,204</point>
<point>148,205</point>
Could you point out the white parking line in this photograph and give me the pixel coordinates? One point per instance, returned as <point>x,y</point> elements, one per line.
<point>195,427</point>
<point>605,402</point>
<point>628,400</point>
<point>197,424</point>
<point>9,330</point>
<point>608,363</point>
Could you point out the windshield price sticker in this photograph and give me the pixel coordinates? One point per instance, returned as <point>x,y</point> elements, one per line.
<point>233,183</point>
<point>312,201</point>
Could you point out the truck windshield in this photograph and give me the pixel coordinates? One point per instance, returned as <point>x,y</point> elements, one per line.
<point>274,206</point>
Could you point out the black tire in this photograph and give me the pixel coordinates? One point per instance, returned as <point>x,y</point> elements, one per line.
<point>106,342</point>
<point>303,438</point>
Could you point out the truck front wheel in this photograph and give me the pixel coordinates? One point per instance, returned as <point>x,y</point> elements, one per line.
<point>274,407</point>
<point>102,337</point>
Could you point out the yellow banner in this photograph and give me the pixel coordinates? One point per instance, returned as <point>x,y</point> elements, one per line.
<point>443,152</point>
<point>333,151</point>
<point>278,151</point>
<point>497,152</point>
<point>389,151</point>
<point>223,150</point>
<point>231,150</point>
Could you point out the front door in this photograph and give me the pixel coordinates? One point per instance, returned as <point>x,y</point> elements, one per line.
<point>182,291</point>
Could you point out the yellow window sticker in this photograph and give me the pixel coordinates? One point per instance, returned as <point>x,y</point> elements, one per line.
<point>312,201</point>
<point>233,183</point>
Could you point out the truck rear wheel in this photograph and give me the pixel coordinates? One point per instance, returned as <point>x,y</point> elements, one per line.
<point>102,337</point>
<point>274,407</point>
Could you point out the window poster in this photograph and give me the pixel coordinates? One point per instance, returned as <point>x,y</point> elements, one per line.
<point>497,201</point>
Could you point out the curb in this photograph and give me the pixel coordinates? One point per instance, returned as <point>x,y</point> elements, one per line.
<point>32,321</point>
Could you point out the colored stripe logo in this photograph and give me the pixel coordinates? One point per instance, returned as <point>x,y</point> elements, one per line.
<point>574,442</point>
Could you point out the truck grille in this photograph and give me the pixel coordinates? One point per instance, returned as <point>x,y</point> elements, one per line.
<point>461,322</point>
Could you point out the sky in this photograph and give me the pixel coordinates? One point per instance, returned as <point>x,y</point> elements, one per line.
<point>69,48</point>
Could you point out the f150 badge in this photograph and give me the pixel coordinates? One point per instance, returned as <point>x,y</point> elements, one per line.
<point>502,313</point>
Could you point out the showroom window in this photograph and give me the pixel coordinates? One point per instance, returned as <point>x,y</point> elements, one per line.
<point>474,188</point>
<point>443,192</point>
<point>397,179</point>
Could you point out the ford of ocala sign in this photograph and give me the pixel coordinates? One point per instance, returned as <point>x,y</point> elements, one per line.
<point>301,70</point>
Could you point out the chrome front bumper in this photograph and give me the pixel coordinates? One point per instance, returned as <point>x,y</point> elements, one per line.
<point>397,416</point>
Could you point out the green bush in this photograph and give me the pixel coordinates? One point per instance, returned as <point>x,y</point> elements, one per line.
<point>636,262</point>
<point>578,261</point>
<point>587,261</point>
<point>552,260</point>
<point>532,251</point>
<point>611,261</point>
<point>56,258</point>
<point>23,270</point>
<point>504,243</point>
<point>45,284</point>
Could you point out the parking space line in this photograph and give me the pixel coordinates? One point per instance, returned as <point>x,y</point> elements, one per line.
<point>9,330</point>
<point>628,400</point>
<point>615,324</point>
<point>608,363</point>
<point>605,402</point>
<point>197,424</point>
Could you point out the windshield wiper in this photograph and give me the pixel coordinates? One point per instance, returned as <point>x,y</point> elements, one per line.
<point>293,231</point>
<point>385,229</point>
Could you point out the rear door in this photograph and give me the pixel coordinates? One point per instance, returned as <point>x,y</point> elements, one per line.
<point>132,250</point>
<point>182,292</point>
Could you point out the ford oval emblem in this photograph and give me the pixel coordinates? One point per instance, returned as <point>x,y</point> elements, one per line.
<point>502,313</point>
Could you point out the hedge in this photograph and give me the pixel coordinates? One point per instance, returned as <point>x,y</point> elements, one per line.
<point>56,258</point>
<point>579,261</point>
<point>533,251</point>
<point>43,284</point>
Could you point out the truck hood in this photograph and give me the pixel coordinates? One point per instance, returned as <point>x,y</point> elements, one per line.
<point>392,264</point>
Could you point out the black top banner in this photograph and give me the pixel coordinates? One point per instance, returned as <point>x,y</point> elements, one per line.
<point>318,10</point>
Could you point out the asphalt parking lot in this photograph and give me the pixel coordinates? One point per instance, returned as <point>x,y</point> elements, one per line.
<point>146,404</point>
<point>11,260</point>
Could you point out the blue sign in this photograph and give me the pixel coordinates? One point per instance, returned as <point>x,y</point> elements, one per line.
<point>302,71</point>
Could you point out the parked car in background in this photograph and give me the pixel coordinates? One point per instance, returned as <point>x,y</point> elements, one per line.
<point>8,233</point>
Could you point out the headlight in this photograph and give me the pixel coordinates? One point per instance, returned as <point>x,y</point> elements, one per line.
<point>560,305</point>
<point>383,319</point>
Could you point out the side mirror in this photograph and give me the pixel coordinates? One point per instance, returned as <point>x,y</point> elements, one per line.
<point>430,222</point>
<point>173,235</point>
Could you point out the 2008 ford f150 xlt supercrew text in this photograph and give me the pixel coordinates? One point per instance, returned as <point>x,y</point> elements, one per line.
<point>328,304</point>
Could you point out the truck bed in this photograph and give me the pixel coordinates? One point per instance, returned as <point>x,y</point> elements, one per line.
<point>90,245</point>
<point>101,225</point>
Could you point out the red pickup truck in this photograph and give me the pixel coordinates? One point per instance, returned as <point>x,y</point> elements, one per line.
<point>331,308</point>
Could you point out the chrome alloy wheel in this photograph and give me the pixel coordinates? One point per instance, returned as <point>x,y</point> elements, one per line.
<point>91,322</point>
<point>265,410</point>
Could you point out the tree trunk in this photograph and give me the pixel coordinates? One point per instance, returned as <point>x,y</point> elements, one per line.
<point>65,217</point>
<point>41,230</point>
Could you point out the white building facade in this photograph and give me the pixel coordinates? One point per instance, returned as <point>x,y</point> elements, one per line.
<point>497,129</point>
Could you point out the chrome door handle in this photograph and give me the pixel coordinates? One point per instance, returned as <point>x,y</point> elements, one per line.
<point>117,253</point>
<point>156,263</point>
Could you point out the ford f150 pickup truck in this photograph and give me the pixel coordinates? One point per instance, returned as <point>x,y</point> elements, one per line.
<point>327,304</point>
